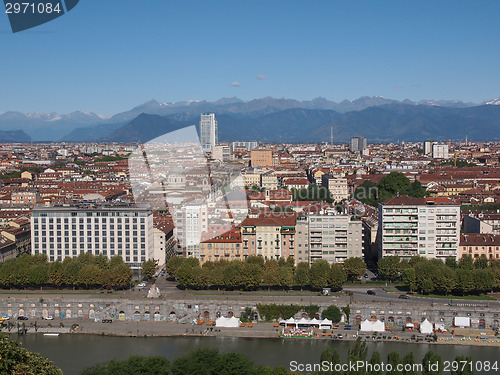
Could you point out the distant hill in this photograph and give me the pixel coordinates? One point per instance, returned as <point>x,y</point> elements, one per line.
<point>144,128</point>
<point>415,123</point>
<point>47,126</point>
<point>10,136</point>
<point>390,122</point>
<point>90,134</point>
<point>271,119</point>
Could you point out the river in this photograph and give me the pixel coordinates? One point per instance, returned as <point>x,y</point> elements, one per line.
<point>72,353</point>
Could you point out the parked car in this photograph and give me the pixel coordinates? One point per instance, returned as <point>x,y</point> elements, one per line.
<point>141,285</point>
<point>22,317</point>
<point>371,292</point>
<point>404,296</point>
<point>107,320</point>
<point>50,317</point>
<point>347,328</point>
<point>340,336</point>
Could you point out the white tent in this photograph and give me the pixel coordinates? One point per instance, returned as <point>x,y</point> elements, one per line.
<point>282,322</point>
<point>370,326</point>
<point>461,321</point>
<point>325,323</point>
<point>291,321</point>
<point>410,325</point>
<point>303,322</point>
<point>426,327</point>
<point>227,322</point>
<point>315,322</point>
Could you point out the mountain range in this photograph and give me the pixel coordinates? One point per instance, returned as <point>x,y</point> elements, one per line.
<point>273,120</point>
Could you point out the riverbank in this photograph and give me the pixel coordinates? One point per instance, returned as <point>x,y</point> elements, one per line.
<point>261,330</point>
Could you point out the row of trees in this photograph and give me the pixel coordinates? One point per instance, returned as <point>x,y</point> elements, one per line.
<point>394,183</point>
<point>468,276</point>
<point>200,361</point>
<point>255,272</point>
<point>85,271</point>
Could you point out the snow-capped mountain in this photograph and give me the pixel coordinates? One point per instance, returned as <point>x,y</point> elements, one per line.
<point>47,126</point>
<point>495,101</point>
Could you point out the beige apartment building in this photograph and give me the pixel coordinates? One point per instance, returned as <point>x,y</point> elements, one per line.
<point>226,246</point>
<point>261,158</point>
<point>337,187</point>
<point>271,237</point>
<point>479,244</point>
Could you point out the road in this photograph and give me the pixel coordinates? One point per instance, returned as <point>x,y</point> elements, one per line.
<point>381,295</point>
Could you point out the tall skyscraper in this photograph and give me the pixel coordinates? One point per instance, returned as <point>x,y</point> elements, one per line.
<point>209,136</point>
<point>358,144</point>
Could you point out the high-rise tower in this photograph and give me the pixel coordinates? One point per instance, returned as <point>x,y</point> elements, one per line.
<point>209,136</point>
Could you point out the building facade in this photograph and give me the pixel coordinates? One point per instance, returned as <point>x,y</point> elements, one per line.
<point>428,227</point>
<point>261,158</point>
<point>337,186</point>
<point>439,151</point>
<point>248,145</point>
<point>192,221</point>
<point>61,232</point>
<point>334,238</point>
<point>226,246</point>
<point>477,245</point>
<point>270,237</point>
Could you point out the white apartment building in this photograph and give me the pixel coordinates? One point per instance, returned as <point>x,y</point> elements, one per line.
<point>209,136</point>
<point>248,145</point>
<point>221,153</point>
<point>191,221</point>
<point>61,232</point>
<point>429,227</point>
<point>428,147</point>
<point>334,237</point>
<point>439,151</point>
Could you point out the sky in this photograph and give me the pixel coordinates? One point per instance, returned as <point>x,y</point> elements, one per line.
<point>107,56</point>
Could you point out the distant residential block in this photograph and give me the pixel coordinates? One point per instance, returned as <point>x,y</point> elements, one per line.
<point>358,144</point>
<point>261,158</point>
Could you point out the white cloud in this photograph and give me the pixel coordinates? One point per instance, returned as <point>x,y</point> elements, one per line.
<point>261,76</point>
<point>235,84</point>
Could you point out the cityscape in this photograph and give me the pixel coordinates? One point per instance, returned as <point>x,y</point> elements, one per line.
<point>385,226</point>
<point>250,187</point>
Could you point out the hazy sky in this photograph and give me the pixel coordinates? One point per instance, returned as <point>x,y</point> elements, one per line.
<point>107,56</point>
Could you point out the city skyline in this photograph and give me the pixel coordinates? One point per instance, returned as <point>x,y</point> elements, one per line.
<point>396,50</point>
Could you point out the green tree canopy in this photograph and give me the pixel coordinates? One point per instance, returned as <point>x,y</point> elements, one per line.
<point>15,359</point>
<point>355,268</point>
<point>148,268</point>
<point>333,313</point>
